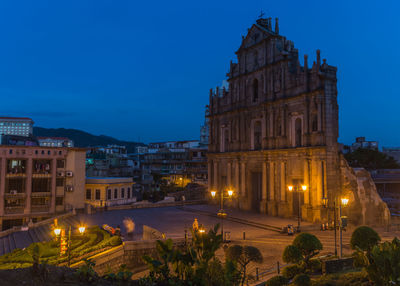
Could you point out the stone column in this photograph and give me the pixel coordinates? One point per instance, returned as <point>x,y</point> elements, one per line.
<point>209,179</point>
<point>28,186</point>
<point>215,175</point>
<point>264,181</point>
<point>306,181</point>
<point>53,185</point>
<point>243,179</point>
<point>283,182</point>
<point>229,174</point>
<point>271,182</point>
<point>2,184</point>
<point>237,174</point>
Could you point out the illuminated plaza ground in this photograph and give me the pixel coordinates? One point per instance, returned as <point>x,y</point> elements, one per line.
<point>173,220</point>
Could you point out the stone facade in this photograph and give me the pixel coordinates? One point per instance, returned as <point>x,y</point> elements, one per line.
<point>276,125</point>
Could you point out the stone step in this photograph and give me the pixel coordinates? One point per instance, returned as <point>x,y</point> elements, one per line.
<point>6,245</point>
<point>2,246</point>
<point>12,242</point>
<point>22,239</point>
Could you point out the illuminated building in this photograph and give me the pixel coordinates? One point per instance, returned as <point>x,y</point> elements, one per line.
<point>38,182</point>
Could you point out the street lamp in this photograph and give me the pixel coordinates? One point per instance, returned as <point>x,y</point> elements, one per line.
<point>221,213</point>
<point>325,204</point>
<point>298,189</point>
<point>57,232</point>
<point>81,229</point>
<point>342,223</point>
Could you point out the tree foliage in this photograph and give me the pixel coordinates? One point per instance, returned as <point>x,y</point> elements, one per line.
<point>243,255</point>
<point>371,160</point>
<point>195,265</point>
<point>365,238</point>
<point>382,263</point>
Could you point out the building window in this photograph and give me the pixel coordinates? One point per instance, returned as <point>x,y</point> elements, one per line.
<point>108,194</point>
<point>60,182</point>
<point>115,193</point>
<point>129,193</point>
<point>122,193</point>
<point>60,163</point>
<point>59,201</point>
<point>98,194</point>
<point>88,194</point>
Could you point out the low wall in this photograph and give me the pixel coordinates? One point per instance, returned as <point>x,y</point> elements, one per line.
<point>36,224</point>
<point>150,233</point>
<point>129,253</point>
<point>160,204</point>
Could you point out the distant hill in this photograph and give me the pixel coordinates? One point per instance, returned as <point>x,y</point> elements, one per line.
<point>84,139</point>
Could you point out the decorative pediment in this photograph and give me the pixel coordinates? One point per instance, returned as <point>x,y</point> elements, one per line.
<point>255,35</point>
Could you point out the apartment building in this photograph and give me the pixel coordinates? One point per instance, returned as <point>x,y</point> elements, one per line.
<point>109,191</point>
<point>38,182</point>
<point>55,142</point>
<point>21,126</point>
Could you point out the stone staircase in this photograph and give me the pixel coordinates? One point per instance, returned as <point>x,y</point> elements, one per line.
<point>23,239</point>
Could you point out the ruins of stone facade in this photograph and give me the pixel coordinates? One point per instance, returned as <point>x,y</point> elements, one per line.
<point>276,125</point>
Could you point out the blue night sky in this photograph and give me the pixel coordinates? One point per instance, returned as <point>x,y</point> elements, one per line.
<point>143,69</point>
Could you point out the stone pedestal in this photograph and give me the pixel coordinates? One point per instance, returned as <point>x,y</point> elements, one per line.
<point>313,214</point>
<point>284,209</point>
<point>263,207</point>
<point>272,208</point>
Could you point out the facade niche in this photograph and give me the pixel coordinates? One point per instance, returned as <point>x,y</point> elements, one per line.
<point>255,90</point>
<point>298,132</point>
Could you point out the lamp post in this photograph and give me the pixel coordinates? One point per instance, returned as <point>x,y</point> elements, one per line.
<point>221,213</point>
<point>298,189</point>
<point>343,202</point>
<point>325,204</point>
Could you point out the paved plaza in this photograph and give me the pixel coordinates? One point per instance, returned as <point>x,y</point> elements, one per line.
<point>173,220</point>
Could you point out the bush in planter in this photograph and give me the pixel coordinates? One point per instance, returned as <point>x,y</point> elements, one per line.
<point>302,280</point>
<point>315,265</point>
<point>292,270</point>
<point>365,238</point>
<point>277,281</point>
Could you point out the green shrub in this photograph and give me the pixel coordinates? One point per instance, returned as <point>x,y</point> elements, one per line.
<point>315,266</point>
<point>302,280</point>
<point>292,270</point>
<point>292,254</point>
<point>115,240</point>
<point>364,238</point>
<point>277,281</point>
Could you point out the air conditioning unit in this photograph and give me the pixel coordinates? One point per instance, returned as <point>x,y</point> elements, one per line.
<point>13,192</point>
<point>69,174</point>
<point>69,188</point>
<point>60,174</point>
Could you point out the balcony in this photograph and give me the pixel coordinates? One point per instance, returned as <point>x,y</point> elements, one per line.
<point>14,209</point>
<point>40,208</point>
<point>41,194</point>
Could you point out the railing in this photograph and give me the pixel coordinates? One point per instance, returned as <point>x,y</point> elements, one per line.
<point>40,208</point>
<point>14,210</point>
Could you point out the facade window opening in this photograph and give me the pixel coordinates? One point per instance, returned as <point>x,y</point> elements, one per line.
<point>226,139</point>
<point>255,90</point>
<point>97,194</point>
<point>122,193</point>
<point>88,194</point>
<point>108,194</point>
<point>115,193</point>
<point>298,132</point>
